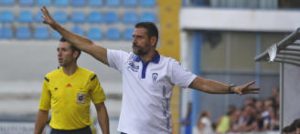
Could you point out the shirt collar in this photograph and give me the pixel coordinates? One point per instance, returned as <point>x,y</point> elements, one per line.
<point>155,58</point>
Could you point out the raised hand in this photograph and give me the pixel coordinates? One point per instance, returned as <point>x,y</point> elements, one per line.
<point>47,17</point>
<point>246,89</point>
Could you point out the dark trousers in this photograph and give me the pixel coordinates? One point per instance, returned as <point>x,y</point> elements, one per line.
<point>123,133</point>
<point>85,130</point>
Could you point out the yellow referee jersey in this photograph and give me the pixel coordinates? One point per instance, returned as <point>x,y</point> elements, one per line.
<point>69,98</point>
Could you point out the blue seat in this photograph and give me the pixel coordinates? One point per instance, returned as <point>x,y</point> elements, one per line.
<point>6,16</point>
<point>127,34</point>
<point>111,17</point>
<point>61,3</point>
<point>130,3</point>
<point>43,2</point>
<point>23,33</point>
<point>7,2</point>
<point>78,3</point>
<point>113,34</point>
<point>94,34</point>
<point>41,33</point>
<point>148,16</point>
<point>26,2</point>
<point>95,3</point>
<point>60,16</point>
<point>113,3</point>
<point>38,17</point>
<point>6,33</point>
<point>78,30</point>
<point>25,17</point>
<point>95,17</point>
<point>55,35</point>
<point>130,18</point>
<point>77,17</point>
<point>147,3</point>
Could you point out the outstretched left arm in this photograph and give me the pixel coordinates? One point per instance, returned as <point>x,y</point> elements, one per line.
<point>215,87</point>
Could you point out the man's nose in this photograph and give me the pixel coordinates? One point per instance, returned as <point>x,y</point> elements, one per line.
<point>134,39</point>
<point>59,53</point>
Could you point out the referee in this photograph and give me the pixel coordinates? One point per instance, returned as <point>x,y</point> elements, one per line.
<point>68,91</point>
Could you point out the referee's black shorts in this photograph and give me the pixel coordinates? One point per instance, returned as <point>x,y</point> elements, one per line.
<point>85,130</point>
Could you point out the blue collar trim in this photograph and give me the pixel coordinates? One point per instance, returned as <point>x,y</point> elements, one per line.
<point>155,58</point>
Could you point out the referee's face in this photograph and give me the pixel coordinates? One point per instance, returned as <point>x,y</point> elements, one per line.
<point>141,44</point>
<point>65,54</point>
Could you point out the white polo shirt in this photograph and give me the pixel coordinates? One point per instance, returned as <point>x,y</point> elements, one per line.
<point>147,89</point>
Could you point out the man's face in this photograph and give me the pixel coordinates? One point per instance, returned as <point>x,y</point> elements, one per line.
<point>141,44</point>
<point>65,54</point>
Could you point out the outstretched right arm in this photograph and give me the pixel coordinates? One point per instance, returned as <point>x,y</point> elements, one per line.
<point>82,43</point>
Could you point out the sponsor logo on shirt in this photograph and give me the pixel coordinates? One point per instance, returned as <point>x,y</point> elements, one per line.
<point>133,67</point>
<point>81,97</point>
<point>154,76</point>
<point>69,85</point>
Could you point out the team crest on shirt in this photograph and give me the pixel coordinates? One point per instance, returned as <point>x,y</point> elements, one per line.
<point>154,76</point>
<point>133,67</point>
<point>81,98</point>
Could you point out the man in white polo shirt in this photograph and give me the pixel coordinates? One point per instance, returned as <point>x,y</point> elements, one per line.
<point>148,78</point>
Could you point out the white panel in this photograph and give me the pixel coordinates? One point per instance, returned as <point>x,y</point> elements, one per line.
<point>239,19</point>
<point>291,93</point>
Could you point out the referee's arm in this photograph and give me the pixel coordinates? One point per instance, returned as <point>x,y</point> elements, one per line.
<point>102,117</point>
<point>41,121</point>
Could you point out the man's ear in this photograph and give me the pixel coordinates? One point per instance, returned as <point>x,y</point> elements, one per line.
<point>153,40</point>
<point>75,54</point>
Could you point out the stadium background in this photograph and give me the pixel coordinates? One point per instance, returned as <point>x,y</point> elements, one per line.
<point>216,39</point>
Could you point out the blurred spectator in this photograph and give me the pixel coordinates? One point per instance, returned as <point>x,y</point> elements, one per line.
<point>250,101</point>
<point>224,123</point>
<point>266,115</point>
<point>204,124</point>
<point>248,119</point>
<point>259,106</point>
<point>275,98</point>
<point>256,115</point>
<point>274,121</point>
<point>235,120</point>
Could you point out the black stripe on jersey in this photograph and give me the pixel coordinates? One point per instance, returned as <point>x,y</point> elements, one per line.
<point>93,77</point>
<point>46,79</point>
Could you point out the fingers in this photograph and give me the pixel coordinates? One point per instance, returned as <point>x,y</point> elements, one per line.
<point>255,89</point>
<point>45,15</point>
<point>252,89</point>
<point>250,83</point>
<point>45,11</point>
<point>44,19</point>
<point>246,92</point>
<point>251,92</point>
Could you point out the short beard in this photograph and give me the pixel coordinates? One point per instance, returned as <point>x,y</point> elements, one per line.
<point>138,51</point>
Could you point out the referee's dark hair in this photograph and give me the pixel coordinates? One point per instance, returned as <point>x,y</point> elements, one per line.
<point>62,39</point>
<point>151,29</point>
